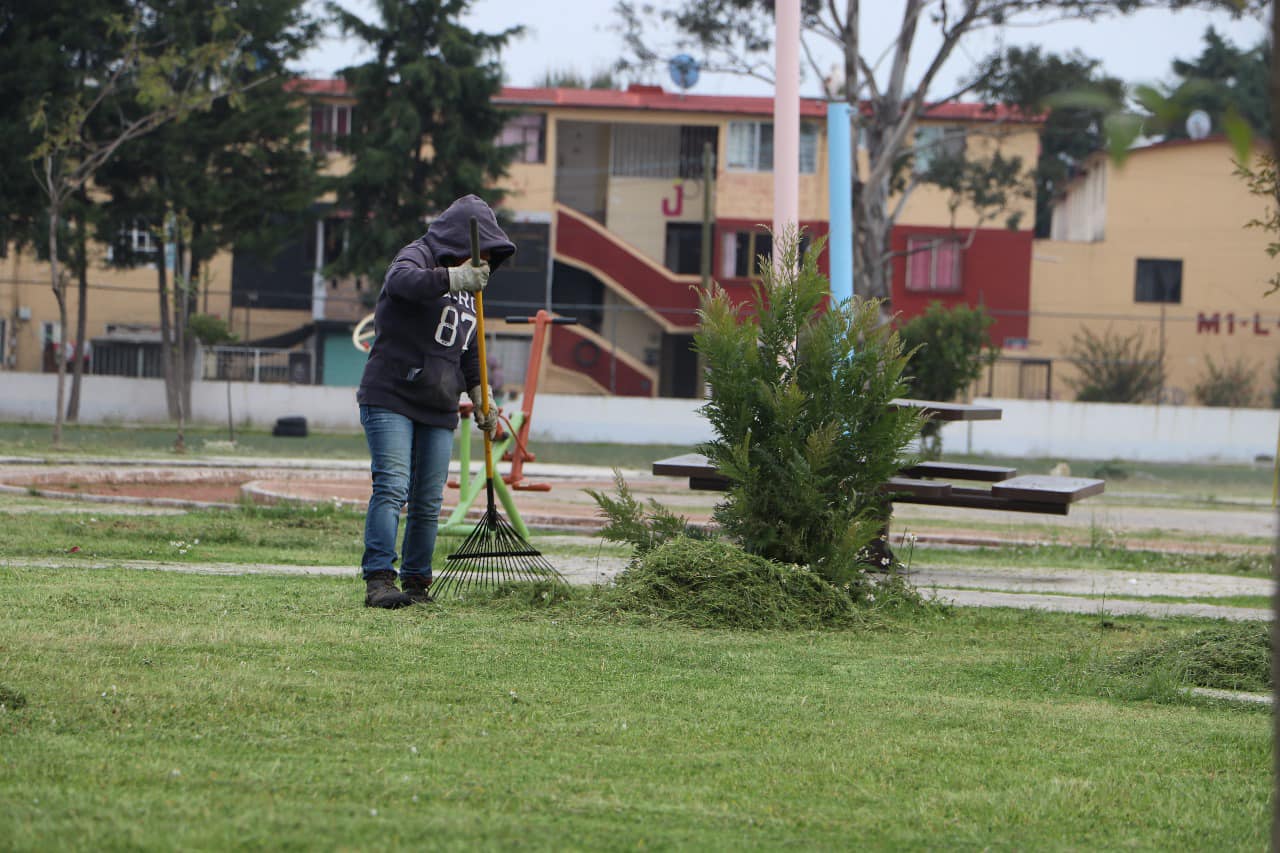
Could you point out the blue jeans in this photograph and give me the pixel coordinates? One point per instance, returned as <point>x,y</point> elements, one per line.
<point>409,463</point>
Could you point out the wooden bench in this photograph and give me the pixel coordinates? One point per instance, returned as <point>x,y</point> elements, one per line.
<point>919,484</point>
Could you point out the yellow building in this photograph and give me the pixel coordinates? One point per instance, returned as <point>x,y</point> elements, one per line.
<point>607,204</point>
<point>1158,246</point>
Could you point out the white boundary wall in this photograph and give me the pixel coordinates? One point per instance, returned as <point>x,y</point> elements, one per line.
<point>1055,429</point>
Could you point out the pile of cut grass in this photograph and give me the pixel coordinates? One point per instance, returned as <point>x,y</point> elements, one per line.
<point>1226,657</point>
<point>713,584</point>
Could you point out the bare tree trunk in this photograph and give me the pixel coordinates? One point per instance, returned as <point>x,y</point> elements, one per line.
<point>82,274</point>
<point>181,282</point>
<point>59,294</point>
<point>872,247</point>
<point>166,336</point>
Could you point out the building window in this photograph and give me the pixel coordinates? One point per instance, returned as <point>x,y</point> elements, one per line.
<point>645,151</point>
<point>134,242</point>
<point>1158,280</point>
<point>527,134</point>
<point>938,143</point>
<point>140,240</point>
<point>684,248</point>
<point>933,265</point>
<point>328,123</point>
<point>659,151</point>
<point>750,147</point>
<point>743,252</point>
<point>692,141</point>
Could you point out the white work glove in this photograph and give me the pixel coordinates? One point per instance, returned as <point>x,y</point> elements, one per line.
<point>466,277</point>
<point>490,423</point>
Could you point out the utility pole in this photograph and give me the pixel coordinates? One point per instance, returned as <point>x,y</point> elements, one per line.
<point>786,121</point>
<point>708,211</point>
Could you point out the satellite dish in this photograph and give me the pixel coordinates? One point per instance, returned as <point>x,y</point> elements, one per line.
<point>1199,124</point>
<point>684,70</point>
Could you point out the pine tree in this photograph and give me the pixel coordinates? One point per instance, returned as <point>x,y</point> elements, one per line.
<point>424,128</point>
<point>800,408</point>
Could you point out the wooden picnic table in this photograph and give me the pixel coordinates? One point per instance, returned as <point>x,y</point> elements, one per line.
<point>929,482</point>
<point>949,411</point>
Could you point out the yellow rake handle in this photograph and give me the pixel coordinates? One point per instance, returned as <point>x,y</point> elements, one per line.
<point>484,362</point>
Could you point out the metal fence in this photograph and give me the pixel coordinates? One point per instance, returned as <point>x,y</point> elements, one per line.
<point>256,364</point>
<point>136,359</point>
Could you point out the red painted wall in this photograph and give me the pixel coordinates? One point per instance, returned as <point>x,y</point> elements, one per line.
<point>995,273</point>
<point>570,349</point>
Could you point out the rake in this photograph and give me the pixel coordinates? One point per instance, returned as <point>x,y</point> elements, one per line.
<point>494,553</point>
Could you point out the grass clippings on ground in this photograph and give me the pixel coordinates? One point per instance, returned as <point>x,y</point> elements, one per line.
<point>167,710</point>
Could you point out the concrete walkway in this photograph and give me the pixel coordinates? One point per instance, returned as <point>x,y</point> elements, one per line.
<point>1073,591</point>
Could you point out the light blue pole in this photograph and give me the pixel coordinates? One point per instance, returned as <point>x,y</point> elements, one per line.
<point>840,216</point>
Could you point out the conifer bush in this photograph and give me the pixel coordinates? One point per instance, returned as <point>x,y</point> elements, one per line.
<point>799,406</point>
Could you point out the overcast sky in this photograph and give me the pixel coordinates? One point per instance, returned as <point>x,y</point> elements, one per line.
<point>576,35</point>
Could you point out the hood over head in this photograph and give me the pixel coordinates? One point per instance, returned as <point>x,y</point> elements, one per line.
<point>449,234</point>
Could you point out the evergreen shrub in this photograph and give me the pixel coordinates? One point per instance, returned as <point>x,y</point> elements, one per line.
<point>643,527</point>
<point>799,407</point>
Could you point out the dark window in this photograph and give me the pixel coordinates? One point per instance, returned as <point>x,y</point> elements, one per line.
<point>745,251</point>
<point>684,248</point>
<point>692,140</point>
<point>335,238</point>
<point>1158,280</point>
<point>577,293</point>
<point>519,287</point>
<point>328,123</point>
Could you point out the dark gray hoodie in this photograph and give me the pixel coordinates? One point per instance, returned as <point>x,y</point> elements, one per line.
<point>424,355</point>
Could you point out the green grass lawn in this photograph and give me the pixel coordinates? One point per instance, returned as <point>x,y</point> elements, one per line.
<point>156,710</point>
<point>203,442</point>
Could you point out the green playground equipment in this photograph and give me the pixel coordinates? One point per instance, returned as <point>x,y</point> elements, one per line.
<point>471,485</point>
<point>512,447</point>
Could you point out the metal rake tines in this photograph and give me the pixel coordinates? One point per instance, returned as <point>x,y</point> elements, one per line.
<point>492,555</point>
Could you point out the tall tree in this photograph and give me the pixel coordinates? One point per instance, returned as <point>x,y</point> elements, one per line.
<point>736,36</point>
<point>1050,85</point>
<point>79,132</point>
<point>1224,79</point>
<point>238,174</point>
<point>424,127</point>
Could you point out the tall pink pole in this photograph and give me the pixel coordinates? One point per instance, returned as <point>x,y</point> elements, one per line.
<point>786,117</point>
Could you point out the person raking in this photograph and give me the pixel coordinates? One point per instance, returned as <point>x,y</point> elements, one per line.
<point>423,357</point>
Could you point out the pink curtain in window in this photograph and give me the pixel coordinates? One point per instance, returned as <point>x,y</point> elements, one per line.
<point>947,275</point>
<point>919,265</point>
